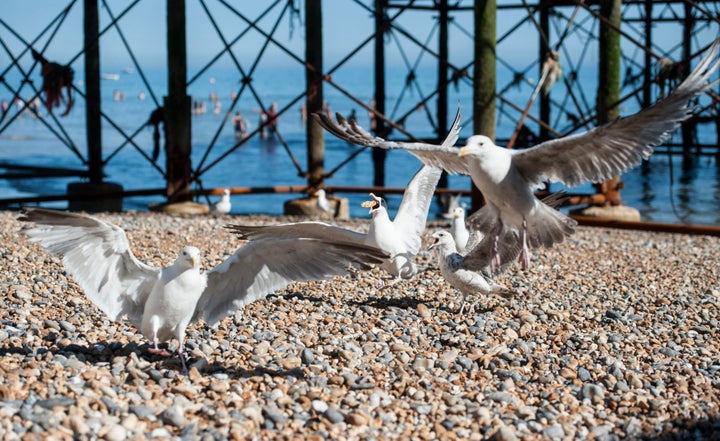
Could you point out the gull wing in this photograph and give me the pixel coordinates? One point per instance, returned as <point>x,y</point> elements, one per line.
<point>263,266</point>
<point>610,149</point>
<point>442,156</point>
<point>306,230</point>
<point>412,214</point>
<point>98,256</point>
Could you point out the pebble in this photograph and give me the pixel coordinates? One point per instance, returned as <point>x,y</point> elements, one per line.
<point>612,339</point>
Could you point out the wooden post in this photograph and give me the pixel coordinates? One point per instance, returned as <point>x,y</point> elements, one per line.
<point>608,95</point>
<point>314,84</point>
<point>92,91</point>
<point>544,133</point>
<point>442,103</point>
<point>379,128</point>
<point>177,107</point>
<point>484,77</point>
<point>687,130</point>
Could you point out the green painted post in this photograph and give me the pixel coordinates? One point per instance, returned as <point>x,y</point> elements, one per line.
<point>484,81</point>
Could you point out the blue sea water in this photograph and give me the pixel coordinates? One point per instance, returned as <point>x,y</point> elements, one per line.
<point>666,189</point>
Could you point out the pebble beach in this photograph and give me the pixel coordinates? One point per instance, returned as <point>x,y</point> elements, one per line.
<point>612,335</point>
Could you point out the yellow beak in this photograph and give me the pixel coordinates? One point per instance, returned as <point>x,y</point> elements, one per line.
<point>193,261</point>
<point>464,151</point>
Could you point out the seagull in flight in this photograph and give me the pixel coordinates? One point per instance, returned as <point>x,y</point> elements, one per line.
<point>507,178</point>
<point>162,302</point>
<point>400,238</point>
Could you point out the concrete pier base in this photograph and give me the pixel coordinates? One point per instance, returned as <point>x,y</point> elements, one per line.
<point>187,207</point>
<point>94,205</point>
<point>615,212</point>
<point>309,207</point>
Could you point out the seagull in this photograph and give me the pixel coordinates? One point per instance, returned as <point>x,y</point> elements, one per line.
<point>507,178</point>
<point>459,230</point>
<point>470,273</point>
<point>222,206</point>
<point>162,302</point>
<point>322,201</point>
<point>449,203</point>
<point>400,238</point>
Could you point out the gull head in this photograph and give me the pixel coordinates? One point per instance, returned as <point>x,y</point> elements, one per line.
<point>375,204</point>
<point>458,213</point>
<point>475,145</point>
<point>442,238</point>
<point>226,194</point>
<point>188,258</point>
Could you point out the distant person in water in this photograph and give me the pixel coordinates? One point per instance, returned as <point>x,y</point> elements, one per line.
<point>240,126</point>
<point>272,118</point>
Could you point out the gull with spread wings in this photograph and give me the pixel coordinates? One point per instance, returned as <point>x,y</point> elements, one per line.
<point>507,178</point>
<point>162,302</point>
<point>401,237</point>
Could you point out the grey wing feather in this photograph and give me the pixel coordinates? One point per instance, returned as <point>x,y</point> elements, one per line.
<point>442,156</point>
<point>98,256</point>
<point>308,230</point>
<point>263,266</point>
<point>608,150</point>
<point>479,257</point>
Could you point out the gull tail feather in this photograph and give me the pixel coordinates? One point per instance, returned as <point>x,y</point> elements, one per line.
<point>547,226</point>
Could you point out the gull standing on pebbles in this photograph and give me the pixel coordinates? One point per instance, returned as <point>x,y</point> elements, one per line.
<point>470,273</point>
<point>458,229</point>
<point>222,206</point>
<point>401,237</point>
<point>507,178</point>
<point>162,302</point>
<point>322,201</point>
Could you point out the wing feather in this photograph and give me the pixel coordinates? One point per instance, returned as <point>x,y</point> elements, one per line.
<point>442,156</point>
<point>307,230</point>
<point>608,150</point>
<point>412,214</point>
<point>98,256</point>
<point>263,266</point>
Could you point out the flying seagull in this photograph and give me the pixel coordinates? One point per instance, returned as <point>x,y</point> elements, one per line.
<point>400,237</point>
<point>162,302</point>
<point>222,206</point>
<point>507,178</point>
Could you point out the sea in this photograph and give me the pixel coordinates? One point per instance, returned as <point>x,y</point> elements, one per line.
<point>667,188</point>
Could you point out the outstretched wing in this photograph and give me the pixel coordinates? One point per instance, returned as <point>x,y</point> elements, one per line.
<point>608,150</point>
<point>298,230</point>
<point>98,256</point>
<point>412,214</point>
<point>442,156</point>
<point>263,266</point>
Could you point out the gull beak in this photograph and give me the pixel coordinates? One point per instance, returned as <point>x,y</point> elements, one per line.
<point>464,151</point>
<point>194,262</point>
<point>434,244</point>
<point>371,204</point>
<point>455,215</point>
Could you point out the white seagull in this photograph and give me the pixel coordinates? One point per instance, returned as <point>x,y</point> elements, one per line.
<point>400,238</point>
<point>470,273</point>
<point>322,201</point>
<point>222,206</point>
<point>162,302</point>
<point>458,229</point>
<point>507,178</point>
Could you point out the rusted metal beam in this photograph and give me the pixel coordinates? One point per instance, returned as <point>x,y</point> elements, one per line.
<point>708,230</point>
